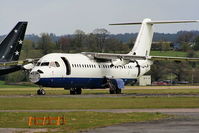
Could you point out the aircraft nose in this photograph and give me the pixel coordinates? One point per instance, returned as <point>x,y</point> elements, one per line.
<point>34,76</point>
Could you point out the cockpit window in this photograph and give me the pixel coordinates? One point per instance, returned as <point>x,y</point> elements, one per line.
<point>57,64</point>
<point>45,64</point>
<point>54,64</point>
<point>38,64</point>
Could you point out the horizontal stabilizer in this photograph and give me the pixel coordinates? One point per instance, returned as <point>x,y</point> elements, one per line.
<point>173,58</point>
<point>159,22</point>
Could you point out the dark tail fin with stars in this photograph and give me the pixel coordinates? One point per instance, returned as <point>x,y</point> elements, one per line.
<point>10,47</point>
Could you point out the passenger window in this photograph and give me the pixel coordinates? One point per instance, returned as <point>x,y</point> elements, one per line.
<point>45,64</point>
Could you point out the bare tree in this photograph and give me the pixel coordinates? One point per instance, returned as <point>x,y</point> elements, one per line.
<point>101,37</point>
<point>64,44</point>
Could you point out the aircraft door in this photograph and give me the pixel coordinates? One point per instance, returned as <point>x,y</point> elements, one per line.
<point>67,65</point>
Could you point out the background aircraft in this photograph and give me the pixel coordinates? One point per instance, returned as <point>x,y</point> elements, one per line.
<point>10,49</point>
<point>100,70</point>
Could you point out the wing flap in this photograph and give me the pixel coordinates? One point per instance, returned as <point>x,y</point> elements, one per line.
<point>111,56</point>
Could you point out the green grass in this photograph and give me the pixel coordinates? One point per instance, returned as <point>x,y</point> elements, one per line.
<point>61,103</point>
<point>76,121</point>
<point>3,85</point>
<point>162,91</point>
<point>169,53</point>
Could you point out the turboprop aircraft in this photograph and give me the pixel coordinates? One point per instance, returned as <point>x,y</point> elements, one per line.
<point>10,49</point>
<point>75,72</point>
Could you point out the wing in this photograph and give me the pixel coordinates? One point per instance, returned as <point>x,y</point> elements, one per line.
<point>110,56</point>
<point>18,63</point>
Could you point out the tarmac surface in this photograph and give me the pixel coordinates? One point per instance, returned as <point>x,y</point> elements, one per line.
<point>184,123</point>
<point>104,95</point>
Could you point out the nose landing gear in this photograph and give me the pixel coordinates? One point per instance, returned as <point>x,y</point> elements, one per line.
<point>41,91</point>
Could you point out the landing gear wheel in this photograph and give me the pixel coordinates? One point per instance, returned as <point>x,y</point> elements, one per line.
<point>118,91</point>
<point>72,91</point>
<point>78,91</point>
<point>112,91</point>
<point>41,92</point>
<point>75,91</point>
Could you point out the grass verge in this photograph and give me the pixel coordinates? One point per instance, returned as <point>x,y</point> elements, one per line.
<point>61,103</point>
<point>77,121</point>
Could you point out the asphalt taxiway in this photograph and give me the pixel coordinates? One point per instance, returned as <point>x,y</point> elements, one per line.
<point>183,123</point>
<point>104,95</point>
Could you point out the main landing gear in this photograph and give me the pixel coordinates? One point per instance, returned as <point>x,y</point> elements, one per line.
<point>75,91</point>
<point>41,91</point>
<point>112,88</point>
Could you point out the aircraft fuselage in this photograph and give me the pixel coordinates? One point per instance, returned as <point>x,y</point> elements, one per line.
<point>80,71</point>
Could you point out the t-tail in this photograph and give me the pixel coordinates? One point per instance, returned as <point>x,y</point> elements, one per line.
<point>10,47</point>
<point>143,42</point>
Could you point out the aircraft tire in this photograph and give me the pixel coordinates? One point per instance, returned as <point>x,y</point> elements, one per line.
<point>118,91</point>
<point>112,91</point>
<point>72,91</point>
<point>78,91</point>
<point>41,92</point>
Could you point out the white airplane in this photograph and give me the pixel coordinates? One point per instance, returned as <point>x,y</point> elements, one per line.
<point>75,72</point>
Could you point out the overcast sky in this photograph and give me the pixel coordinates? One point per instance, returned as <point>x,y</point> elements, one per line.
<point>65,16</point>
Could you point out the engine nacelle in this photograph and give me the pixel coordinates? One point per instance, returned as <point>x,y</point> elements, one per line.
<point>28,66</point>
<point>120,62</point>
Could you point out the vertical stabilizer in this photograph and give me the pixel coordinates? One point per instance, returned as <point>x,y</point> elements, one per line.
<point>144,39</point>
<point>10,47</point>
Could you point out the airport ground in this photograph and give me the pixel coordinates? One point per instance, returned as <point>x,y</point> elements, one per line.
<point>138,109</point>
